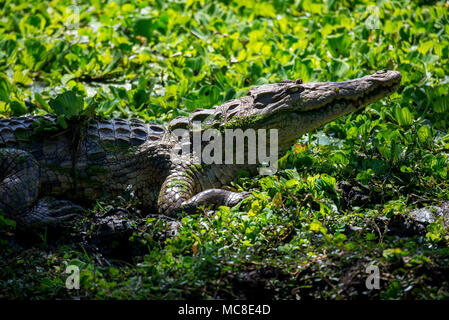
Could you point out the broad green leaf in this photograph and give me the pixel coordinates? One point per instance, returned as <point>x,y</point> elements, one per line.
<point>403,116</point>
<point>339,44</point>
<point>440,104</point>
<point>143,26</point>
<point>291,183</point>
<point>20,78</point>
<point>424,133</point>
<point>424,47</point>
<point>42,103</point>
<point>5,88</point>
<point>67,104</point>
<point>17,108</point>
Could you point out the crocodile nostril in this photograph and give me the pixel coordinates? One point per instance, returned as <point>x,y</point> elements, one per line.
<point>232,106</point>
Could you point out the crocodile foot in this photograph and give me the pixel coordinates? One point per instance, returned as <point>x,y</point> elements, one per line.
<point>215,197</point>
<point>51,212</point>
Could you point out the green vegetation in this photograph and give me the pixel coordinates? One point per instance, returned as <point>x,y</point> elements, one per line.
<point>314,227</point>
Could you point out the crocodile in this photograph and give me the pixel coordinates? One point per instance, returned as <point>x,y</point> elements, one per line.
<point>47,179</point>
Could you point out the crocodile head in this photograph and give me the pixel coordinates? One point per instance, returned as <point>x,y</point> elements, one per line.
<point>295,108</point>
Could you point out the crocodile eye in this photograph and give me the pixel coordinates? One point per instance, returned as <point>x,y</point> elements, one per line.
<point>298,81</point>
<point>294,89</point>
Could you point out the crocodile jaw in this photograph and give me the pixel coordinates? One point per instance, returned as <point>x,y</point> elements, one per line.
<point>298,112</point>
<point>358,92</point>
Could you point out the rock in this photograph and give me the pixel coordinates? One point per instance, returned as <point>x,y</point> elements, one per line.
<point>415,222</point>
<point>431,214</point>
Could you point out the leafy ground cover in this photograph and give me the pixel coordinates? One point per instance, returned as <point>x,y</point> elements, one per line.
<point>314,227</point>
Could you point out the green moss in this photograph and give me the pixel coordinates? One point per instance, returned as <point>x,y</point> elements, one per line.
<point>198,168</point>
<point>178,183</point>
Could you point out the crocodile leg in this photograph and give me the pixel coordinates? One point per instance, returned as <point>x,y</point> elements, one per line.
<point>19,190</point>
<point>182,192</point>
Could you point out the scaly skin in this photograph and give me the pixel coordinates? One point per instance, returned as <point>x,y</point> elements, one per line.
<point>110,156</point>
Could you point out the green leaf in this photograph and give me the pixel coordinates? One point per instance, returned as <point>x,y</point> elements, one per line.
<point>18,108</point>
<point>339,68</point>
<point>5,88</point>
<point>330,4</point>
<point>291,183</point>
<point>42,103</point>
<point>424,133</point>
<point>67,104</point>
<point>365,176</point>
<point>403,116</point>
<point>441,103</point>
<point>60,120</point>
<point>370,236</point>
<point>143,26</point>
<point>67,77</point>
<point>20,78</point>
<point>406,169</point>
<point>339,44</point>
